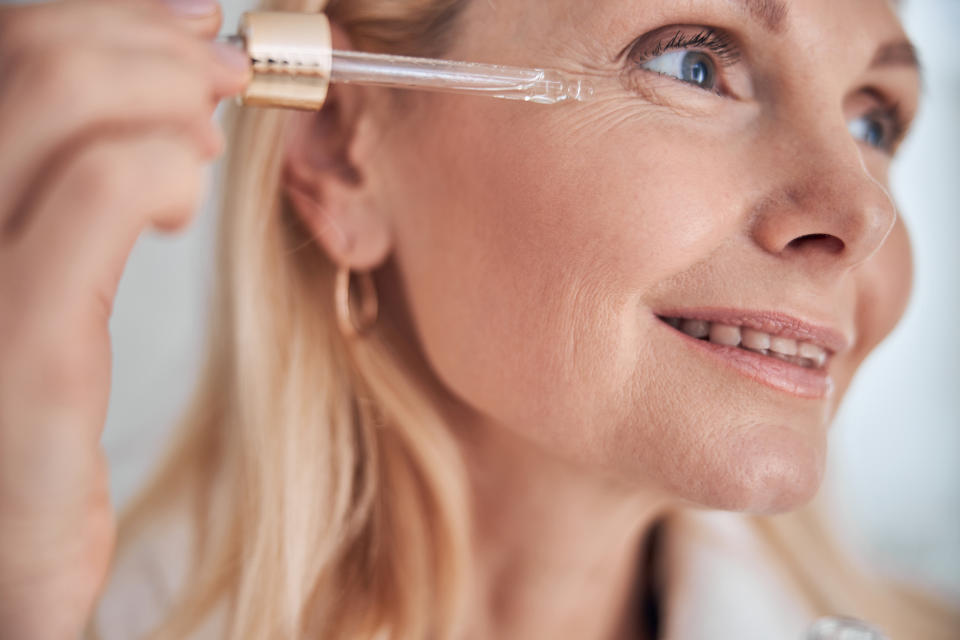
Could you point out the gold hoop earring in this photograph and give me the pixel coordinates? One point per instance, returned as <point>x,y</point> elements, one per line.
<point>368,305</point>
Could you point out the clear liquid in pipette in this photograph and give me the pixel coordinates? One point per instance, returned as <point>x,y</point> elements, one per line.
<point>544,86</point>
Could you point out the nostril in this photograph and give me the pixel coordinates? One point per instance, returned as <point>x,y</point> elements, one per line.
<point>821,241</point>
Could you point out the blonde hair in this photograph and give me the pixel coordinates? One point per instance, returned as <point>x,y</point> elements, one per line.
<point>327,496</point>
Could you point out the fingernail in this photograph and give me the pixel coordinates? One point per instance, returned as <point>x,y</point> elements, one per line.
<point>192,8</point>
<point>231,56</point>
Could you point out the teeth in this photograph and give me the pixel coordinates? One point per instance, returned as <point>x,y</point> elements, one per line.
<point>804,354</point>
<point>756,340</point>
<point>812,352</point>
<point>725,334</point>
<point>784,346</point>
<point>695,328</point>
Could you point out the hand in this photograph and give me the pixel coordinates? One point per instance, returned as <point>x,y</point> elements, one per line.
<point>105,125</point>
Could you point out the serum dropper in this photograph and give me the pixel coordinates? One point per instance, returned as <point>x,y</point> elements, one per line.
<point>293,63</point>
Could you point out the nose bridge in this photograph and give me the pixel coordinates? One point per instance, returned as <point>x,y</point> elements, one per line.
<point>823,199</point>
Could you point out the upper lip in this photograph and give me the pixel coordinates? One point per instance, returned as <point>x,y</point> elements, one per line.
<point>775,323</point>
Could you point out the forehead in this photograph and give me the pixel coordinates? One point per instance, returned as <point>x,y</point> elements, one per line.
<point>536,21</point>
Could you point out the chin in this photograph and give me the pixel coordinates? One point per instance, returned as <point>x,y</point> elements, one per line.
<point>766,470</point>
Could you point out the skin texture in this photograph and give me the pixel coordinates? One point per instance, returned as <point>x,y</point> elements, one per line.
<point>105,123</point>
<point>527,249</point>
<point>524,249</point>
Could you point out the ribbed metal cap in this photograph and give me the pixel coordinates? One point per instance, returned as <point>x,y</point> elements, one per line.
<point>291,56</point>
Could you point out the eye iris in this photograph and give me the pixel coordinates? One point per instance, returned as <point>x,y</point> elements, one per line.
<point>697,68</point>
<point>874,134</point>
<point>869,130</point>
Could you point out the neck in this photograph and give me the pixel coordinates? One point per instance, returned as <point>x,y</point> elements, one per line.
<point>558,551</point>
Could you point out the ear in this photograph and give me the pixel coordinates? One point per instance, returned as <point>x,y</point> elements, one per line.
<point>326,176</point>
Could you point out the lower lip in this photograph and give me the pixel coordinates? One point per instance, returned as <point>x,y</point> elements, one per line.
<point>777,374</point>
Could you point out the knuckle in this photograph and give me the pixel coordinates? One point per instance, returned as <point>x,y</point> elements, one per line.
<point>194,88</point>
<point>185,191</point>
<point>193,98</point>
<point>200,93</point>
<point>157,176</point>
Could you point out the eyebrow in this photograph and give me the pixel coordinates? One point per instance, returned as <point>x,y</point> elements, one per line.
<point>772,14</point>
<point>896,54</point>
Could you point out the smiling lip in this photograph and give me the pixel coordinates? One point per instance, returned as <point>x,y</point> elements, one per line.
<point>772,322</point>
<point>803,382</point>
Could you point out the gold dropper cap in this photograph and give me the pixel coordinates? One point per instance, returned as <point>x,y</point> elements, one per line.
<point>291,56</point>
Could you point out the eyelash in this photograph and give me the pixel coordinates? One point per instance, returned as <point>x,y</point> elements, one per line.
<point>727,54</point>
<point>716,42</point>
<point>710,39</point>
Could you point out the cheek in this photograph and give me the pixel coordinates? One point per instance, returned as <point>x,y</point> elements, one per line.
<point>887,286</point>
<point>528,249</point>
<point>883,286</point>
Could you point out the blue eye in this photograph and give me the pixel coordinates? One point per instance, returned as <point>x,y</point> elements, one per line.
<point>692,67</point>
<point>872,130</point>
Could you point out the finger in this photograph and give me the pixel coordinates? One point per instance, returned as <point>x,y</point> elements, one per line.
<point>92,89</point>
<point>96,205</point>
<point>31,32</point>
<point>202,19</point>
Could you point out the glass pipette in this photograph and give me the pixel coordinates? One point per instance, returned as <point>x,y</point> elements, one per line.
<point>544,86</point>
<point>291,55</point>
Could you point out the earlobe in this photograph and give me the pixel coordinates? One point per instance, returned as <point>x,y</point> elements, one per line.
<point>328,186</point>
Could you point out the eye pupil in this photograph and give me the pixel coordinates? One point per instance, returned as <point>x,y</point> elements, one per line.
<point>697,68</point>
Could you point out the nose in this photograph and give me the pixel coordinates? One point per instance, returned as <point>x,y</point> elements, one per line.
<point>825,206</point>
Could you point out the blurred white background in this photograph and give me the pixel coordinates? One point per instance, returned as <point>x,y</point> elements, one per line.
<point>895,461</point>
<point>896,455</point>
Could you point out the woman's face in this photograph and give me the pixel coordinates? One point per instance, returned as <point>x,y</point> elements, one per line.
<point>733,169</point>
